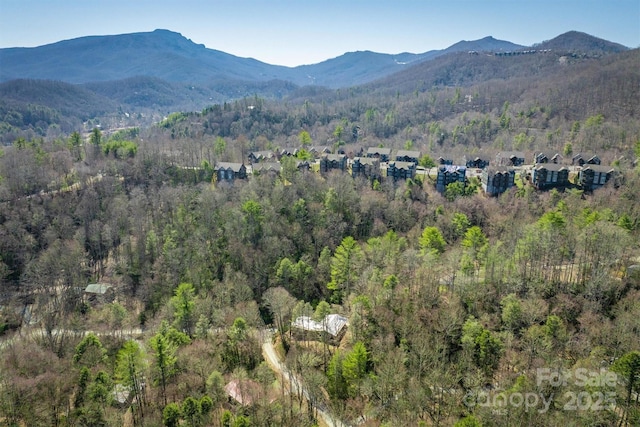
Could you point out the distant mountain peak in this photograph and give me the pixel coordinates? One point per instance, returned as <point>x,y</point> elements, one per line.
<point>582,42</point>
<point>488,43</point>
<point>484,39</point>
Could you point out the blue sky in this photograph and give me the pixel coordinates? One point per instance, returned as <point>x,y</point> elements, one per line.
<point>296,32</point>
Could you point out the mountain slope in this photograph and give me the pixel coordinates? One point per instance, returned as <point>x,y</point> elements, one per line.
<point>576,41</point>
<point>363,67</point>
<point>66,98</point>
<point>31,108</point>
<point>463,69</point>
<point>161,53</point>
<point>572,87</point>
<point>152,92</point>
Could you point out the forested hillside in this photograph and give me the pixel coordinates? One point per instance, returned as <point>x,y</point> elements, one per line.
<point>31,108</point>
<point>461,308</point>
<point>589,103</point>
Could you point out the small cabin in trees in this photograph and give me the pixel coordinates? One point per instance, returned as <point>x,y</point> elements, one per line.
<point>380,153</point>
<point>333,326</point>
<point>545,176</point>
<point>581,159</point>
<point>448,174</point>
<point>333,162</point>
<point>229,172</point>
<point>409,156</point>
<point>365,167</point>
<point>592,177</point>
<point>401,170</point>
<point>496,181</point>
<point>510,158</point>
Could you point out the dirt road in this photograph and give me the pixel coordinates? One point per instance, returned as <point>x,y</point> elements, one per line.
<point>270,355</point>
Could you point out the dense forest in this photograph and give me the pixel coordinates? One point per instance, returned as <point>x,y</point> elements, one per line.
<point>461,309</point>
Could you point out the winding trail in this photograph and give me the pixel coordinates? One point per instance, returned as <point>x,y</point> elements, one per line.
<point>295,385</point>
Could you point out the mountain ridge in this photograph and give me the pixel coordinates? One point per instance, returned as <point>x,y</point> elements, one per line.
<point>173,57</point>
<point>161,53</point>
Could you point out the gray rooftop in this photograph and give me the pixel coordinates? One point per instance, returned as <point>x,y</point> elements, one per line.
<point>332,324</point>
<point>97,288</point>
<point>408,153</point>
<point>598,168</point>
<point>379,150</point>
<point>226,165</point>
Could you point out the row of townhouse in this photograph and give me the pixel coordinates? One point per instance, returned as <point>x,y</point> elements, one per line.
<point>381,153</point>
<point>579,159</point>
<point>229,171</point>
<point>272,156</point>
<point>368,167</point>
<point>590,177</point>
<point>549,170</point>
<point>504,158</point>
<point>517,158</point>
